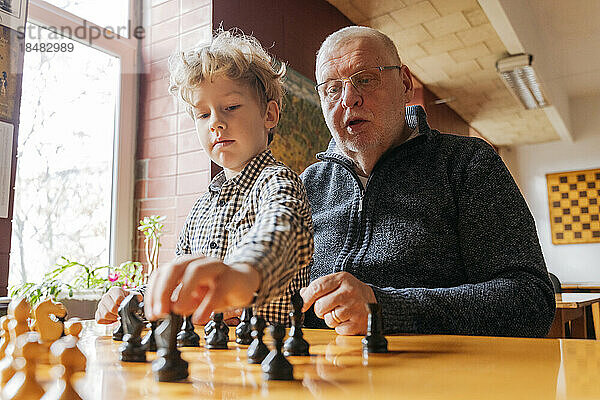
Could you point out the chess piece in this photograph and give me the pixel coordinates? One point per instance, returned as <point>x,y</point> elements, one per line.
<point>4,334</point>
<point>133,323</point>
<point>275,366</point>
<point>73,327</point>
<point>118,332</point>
<point>296,345</point>
<point>217,334</point>
<point>257,351</point>
<point>169,366</point>
<point>374,341</point>
<point>18,312</point>
<point>243,332</point>
<point>65,352</point>
<point>187,337</point>
<point>149,342</point>
<point>50,329</point>
<point>23,385</point>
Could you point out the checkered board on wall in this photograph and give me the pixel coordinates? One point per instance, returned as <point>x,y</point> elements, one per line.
<point>574,199</point>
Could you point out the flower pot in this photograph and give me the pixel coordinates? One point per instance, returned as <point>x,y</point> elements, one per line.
<point>82,304</point>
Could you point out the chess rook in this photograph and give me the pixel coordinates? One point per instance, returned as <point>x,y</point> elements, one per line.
<point>374,341</point>
<point>275,366</point>
<point>243,332</point>
<point>169,366</point>
<point>296,345</point>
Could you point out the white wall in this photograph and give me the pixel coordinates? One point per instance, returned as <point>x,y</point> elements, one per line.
<point>529,164</point>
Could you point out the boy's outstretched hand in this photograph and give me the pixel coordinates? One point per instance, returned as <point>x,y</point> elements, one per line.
<point>199,285</point>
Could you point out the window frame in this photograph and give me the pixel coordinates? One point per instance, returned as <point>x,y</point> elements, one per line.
<point>121,235</point>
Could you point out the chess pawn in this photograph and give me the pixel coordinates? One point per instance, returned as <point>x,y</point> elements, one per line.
<point>64,352</point>
<point>257,351</point>
<point>296,345</point>
<point>217,334</point>
<point>169,366</point>
<point>18,312</point>
<point>374,341</point>
<point>243,332</point>
<point>73,327</point>
<point>187,337</point>
<point>133,323</point>
<point>23,385</point>
<point>48,328</point>
<point>149,341</point>
<point>275,366</point>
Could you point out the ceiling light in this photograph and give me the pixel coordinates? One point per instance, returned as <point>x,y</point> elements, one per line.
<point>518,74</point>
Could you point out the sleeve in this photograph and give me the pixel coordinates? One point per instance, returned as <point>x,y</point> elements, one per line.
<point>280,243</point>
<point>183,245</point>
<point>507,290</point>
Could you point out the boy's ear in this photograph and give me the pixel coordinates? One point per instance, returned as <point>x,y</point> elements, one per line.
<point>271,115</point>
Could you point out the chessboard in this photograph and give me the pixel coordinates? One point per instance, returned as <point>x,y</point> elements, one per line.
<point>574,201</point>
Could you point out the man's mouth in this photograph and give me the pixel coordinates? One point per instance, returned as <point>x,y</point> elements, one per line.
<point>356,121</point>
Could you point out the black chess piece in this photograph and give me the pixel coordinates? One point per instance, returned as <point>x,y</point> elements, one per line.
<point>243,332</point>
<point>296,345</point>
<point>187,337</point>
<point>149,342</point>
<point>257,351</point>
<point>374,341</point>
<point>118,332</point>
<point>133,323</point>
<point>169,366</point>
<point>217,333</point>
<point>275,366</point>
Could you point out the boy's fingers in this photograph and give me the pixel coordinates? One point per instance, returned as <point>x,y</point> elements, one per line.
<point>213,300</point>
<point>199,279</point>
<point>163,282</point>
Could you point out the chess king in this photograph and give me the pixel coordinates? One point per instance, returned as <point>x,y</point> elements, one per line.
<point>248,239</point>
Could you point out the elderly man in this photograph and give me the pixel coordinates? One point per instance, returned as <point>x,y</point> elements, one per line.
<point>430,226</point>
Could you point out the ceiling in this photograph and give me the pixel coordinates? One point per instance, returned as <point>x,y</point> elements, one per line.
<point>452,47</point>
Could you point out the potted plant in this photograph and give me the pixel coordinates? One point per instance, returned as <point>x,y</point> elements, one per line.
<point>79,287</point>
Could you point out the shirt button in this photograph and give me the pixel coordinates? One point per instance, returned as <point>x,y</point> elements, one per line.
<point>213,245</point>
<point>222,203</point>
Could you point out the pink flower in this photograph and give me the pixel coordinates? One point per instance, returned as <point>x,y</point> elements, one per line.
<point>114,276</point>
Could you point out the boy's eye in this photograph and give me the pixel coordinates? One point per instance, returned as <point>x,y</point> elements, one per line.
<point>202,115</point>
<point>234,107</point>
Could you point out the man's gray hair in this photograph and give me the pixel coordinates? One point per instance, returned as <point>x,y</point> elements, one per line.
<point>348,33</point>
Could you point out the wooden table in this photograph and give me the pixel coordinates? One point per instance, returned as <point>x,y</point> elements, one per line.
<point>571,308</point>
<point>418,367</point>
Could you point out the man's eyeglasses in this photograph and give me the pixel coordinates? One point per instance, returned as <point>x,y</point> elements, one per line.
<point>364,81</point>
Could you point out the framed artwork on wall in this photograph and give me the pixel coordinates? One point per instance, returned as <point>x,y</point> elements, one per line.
<point>301,132</point>
<point>573,200</point>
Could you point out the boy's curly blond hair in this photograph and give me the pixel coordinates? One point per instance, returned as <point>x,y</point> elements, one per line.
<point>233,55</point>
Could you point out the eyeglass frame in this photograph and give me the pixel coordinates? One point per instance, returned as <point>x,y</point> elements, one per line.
<point>344,80</point>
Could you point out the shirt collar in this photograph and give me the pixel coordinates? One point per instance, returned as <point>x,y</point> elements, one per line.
<point>247,176</point>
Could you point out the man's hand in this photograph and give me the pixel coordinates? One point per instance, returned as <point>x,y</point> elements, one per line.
<point>340,300</point>
<point>108,307</point>
<point>199,286</point>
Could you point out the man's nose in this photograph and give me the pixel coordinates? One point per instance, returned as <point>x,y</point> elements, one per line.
<point>351,97</point>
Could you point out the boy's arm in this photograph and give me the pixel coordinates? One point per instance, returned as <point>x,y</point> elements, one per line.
<point>280,242</point>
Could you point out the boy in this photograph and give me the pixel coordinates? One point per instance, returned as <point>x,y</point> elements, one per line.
<point>248,240</point>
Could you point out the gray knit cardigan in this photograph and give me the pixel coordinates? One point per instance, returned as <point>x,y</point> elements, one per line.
<point>441,233</point>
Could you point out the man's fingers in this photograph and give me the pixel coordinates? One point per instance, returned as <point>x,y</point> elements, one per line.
<point>318,288</point>
<point>351,328</point>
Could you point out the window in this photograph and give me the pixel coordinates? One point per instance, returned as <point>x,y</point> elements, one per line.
<point>74,187</point>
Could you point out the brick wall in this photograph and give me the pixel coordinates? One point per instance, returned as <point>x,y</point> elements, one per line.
<point>171,168</point>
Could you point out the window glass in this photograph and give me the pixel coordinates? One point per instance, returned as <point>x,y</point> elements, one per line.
<point>65,154</point>
<point>106,13</point>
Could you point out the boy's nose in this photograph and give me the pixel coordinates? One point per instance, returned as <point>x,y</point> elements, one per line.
<point>217,124</point>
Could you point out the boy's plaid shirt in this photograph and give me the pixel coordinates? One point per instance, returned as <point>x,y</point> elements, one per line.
<point>260,217</point>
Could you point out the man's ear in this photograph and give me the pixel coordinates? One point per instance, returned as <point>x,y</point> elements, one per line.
<point>407,80</point>
<point>271,115</point>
